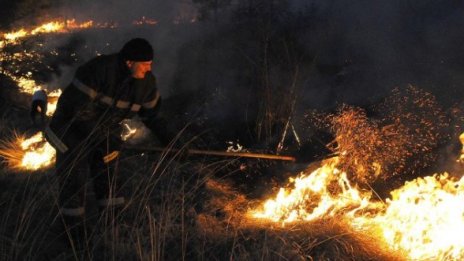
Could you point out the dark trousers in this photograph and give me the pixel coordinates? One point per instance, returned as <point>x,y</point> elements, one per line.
<point>95,160</point>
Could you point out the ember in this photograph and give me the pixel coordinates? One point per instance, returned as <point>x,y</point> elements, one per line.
<point>145,21</point>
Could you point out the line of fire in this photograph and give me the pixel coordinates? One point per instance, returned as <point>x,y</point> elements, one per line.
<point>374,180</point>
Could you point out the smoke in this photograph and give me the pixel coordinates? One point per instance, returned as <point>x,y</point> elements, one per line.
<point>251,58</point>
<point>379,45</point>
<point>121,11</point>
<point>166,36</point>
<point>361,50</point>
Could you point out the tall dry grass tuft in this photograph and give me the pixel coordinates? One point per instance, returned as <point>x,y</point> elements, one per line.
<point>27,203</point>
<point>324,239</point>
<point>178,209</point>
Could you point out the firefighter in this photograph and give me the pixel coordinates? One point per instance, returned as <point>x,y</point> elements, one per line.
<point>84,129</point>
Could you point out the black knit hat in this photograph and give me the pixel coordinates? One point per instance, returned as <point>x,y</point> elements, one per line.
<point>137,49</point>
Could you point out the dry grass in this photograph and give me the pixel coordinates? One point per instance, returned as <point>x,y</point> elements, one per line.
<point>183,209</point>
<point>324,239</point>
<point>180,213</point>
<point>401,139</point>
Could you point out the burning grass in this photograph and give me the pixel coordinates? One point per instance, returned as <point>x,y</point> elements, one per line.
<point>321,193</point>
<point>417,216</point>
<point>322,239</point>
<point>411,125</point>
<point>424,218</point>
<point>233,235</point>
<point>461,157</point>
<point>322,214</point>
<point>398,137</point>
<point>181,211</point>
<point>27,154</point>
<point>164,225</point>
<point>58,26</point>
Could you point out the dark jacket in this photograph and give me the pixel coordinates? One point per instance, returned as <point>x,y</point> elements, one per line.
<point>102,94</point>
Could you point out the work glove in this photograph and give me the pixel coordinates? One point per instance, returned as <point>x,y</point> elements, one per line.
<point>39,108</point>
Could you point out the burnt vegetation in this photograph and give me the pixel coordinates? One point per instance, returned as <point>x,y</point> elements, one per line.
<point>262,74</point>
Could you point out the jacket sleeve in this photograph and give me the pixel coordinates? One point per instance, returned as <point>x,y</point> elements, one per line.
<point>92,74</point>
<point>80,92</point>
<point>68,104</point>
<point>78,95</point>
<point>70,101</point>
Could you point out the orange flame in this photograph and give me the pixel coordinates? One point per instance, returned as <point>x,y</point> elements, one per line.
<point>424,218</point>
<point>73,25</point>
<point>13,36</point>
<point>52,101</point>
<point>35,153</point>
<point>25,82</point>
<point>461,158</point>
<point>32,153</point>
<point>50,27</point>
<point>324,192</point>
<point>29,86</point>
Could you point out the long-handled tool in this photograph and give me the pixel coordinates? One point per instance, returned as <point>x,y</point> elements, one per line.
<point>217,153</point>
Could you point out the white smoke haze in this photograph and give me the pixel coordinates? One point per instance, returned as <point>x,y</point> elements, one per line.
<point>388,44</point>
<point>384,44</point>
<point>356,51</point>
<point>166,36</point>
<point>125,12</point>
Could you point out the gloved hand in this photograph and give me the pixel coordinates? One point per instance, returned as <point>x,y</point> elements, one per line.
<point>39,108</point>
